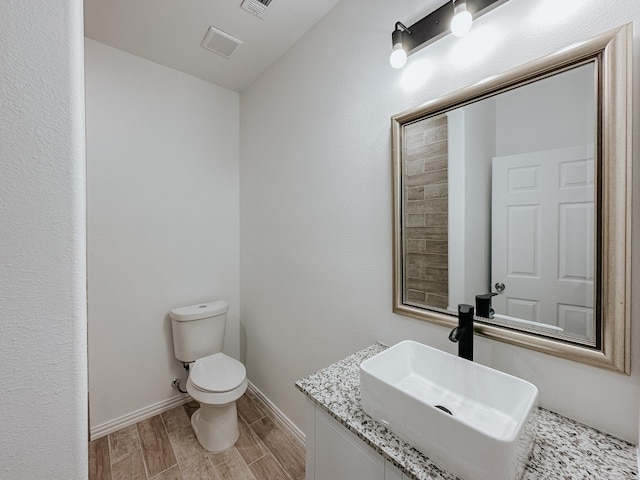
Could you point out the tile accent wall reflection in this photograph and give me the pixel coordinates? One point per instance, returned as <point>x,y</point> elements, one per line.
<point>425,205</point>
<point>164,447</point>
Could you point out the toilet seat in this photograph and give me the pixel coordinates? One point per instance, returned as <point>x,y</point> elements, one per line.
<point>216,399</point>
<point>217,373</point>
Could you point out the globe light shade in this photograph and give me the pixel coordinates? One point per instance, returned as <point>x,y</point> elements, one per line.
<point>462,20</point>
<point>398,56</point>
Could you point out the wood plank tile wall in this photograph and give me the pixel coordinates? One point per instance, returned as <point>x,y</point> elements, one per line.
<point>425,211</point>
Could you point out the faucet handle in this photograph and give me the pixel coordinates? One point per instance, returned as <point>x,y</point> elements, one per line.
<point>486,296</point>
<point>465,315</point>
<point>465,309</point>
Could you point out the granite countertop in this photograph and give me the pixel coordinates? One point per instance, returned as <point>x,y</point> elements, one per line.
<point>563,449</point>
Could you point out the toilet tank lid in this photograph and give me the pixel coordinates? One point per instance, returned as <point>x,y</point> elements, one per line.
<point>201,310</point>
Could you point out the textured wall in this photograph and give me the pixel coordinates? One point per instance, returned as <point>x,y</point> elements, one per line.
<point>162,194</point>
<point>43,400</point>
<point>316,195</point>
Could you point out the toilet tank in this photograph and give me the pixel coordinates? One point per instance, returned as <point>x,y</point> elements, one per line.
<point>198,330</point>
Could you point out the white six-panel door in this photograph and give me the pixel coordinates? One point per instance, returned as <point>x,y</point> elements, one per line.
<point>543,237</point>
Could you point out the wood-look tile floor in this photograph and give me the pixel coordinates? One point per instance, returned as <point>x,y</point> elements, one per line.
<point>164,447</point>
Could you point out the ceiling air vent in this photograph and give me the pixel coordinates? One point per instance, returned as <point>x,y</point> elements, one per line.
<point>256,7</point>
<point>220,42</point>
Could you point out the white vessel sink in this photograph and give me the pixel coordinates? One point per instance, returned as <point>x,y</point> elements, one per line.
<point>489,432</point>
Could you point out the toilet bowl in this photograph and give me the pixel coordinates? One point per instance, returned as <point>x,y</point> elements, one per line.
<point>216,380</point>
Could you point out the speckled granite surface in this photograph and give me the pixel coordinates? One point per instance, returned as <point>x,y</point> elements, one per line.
<point>564,449</point>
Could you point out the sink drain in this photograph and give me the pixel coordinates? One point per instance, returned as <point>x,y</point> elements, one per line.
<point>444,409</point>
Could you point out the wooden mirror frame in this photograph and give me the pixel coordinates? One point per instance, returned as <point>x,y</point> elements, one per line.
<point>612,55</point>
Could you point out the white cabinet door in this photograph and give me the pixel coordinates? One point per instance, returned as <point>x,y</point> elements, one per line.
<point>340,455</point>
<point>310,439</point>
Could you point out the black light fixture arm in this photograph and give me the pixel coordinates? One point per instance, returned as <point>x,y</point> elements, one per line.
<point>400,26</point>
<point>400,35</point>
<point>437,24</point>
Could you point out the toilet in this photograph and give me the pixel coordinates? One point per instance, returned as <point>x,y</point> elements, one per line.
<point>216,380</point>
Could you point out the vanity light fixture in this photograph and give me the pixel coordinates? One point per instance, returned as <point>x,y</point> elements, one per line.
<point>455,17</point>
<point>398,54</point>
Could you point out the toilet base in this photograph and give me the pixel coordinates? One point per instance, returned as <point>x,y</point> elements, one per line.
<point>216,427</point>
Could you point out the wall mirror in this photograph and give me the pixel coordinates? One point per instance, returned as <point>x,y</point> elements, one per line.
<point>518,189</point>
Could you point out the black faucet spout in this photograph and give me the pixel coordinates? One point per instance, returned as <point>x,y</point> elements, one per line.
<point>463,333</point>
<point>456,334</point>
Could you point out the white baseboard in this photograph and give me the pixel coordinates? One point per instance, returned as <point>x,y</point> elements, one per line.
<point>157,408</point>
<point>137,416</point>
<point>295,431</point>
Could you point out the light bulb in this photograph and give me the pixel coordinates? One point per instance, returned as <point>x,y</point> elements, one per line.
<point>398,56</point>
<point>461,21</point>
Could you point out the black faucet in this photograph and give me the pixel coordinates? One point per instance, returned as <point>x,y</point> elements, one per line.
<point>463,333</point>
<point>483,305</point>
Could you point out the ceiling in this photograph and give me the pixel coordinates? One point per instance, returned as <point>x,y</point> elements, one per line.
<point>170,32</point>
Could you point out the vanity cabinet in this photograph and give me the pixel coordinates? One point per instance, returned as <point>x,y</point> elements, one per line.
<point>334,452</point>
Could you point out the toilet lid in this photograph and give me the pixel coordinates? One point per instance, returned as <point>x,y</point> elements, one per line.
<point>217,373</point>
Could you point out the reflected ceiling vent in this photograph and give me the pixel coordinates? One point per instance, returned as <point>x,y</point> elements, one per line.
<point>220,42</point>
<point>256,7</point>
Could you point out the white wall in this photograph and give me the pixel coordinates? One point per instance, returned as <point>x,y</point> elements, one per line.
<point>472,145</point>
<point>42,242</point>
<point>316,272</point>
<point>480,146</point>
<point>162,185</point>
<point>456,173</point>
<point>553,113</point>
